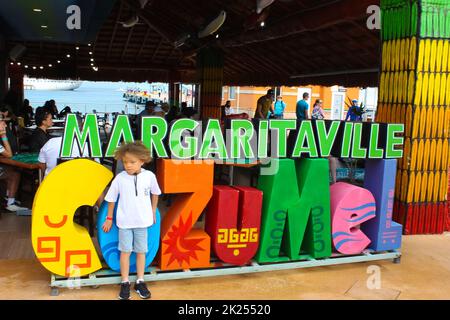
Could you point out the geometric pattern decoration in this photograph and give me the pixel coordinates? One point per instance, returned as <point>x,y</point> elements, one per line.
<point>232,221</point>
<point>62,246</point>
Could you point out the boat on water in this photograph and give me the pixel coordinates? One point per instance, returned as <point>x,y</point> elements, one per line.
<point>50,84</point>
<point>140,97</point>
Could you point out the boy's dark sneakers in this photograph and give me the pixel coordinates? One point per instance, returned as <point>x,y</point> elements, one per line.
<point>124,291</point>
<point>142,290</point>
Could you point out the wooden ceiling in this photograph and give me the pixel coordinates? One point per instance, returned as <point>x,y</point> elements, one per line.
<point>303,42</point>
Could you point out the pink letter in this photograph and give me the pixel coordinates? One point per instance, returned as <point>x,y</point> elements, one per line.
<point>350,207</point>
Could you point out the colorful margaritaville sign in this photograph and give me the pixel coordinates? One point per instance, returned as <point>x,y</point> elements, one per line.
<point>292,215</point>
<point>243,139</point>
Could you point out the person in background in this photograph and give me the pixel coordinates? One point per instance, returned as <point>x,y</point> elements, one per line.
<point>40,135</point>
<point>53,109</point>
<point>165,107</point>
<point>12,104</point>
<point>226,109</point>
<point>303,107</point>
<point>27,112</point>
<point>149,109</point>
<point>159,112</point>
<point>172,114</point>
<point>187,112</point>
<point>352,113</point>
<point>49,153</point>
<point>280,105</point>
<point>11,132</point>
<point>317,113</point>
<point>136,211</point>
<point>147,112</point>
<point>64,112</point>
<point>12,176</point>
<point>264,105</point>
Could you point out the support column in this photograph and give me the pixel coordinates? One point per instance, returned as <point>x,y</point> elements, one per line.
<point>210,76</point>
<point>415,90</point>
<point>3,69</point>
<point>16,83</point>
<point>176,94</point>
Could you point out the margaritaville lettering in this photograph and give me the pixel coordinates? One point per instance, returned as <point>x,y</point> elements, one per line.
<point>243,138</point>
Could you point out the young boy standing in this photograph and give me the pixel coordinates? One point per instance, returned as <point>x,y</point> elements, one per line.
<point>138,190</point>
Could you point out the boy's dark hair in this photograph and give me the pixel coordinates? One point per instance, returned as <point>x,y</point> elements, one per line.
<point>137,148</point>
<point>41,114</point>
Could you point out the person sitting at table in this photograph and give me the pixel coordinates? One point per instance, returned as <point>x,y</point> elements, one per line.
<point>49,154</point>
<point>11,131</point>
<point>12,176</point>
<point>40,135</point>
<point>64,112</point>
<point>51,108</point>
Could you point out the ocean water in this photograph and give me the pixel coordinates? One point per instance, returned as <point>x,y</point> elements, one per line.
<point>100,96</point>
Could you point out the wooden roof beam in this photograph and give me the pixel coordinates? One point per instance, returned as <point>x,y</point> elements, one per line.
<point>139,66</point>
<point>320,17</point>
<point>148,20</point>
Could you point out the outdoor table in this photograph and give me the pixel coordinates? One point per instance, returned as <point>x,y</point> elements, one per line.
<point>27,161</point>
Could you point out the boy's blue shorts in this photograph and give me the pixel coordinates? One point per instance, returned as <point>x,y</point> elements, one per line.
<point>133,240</point>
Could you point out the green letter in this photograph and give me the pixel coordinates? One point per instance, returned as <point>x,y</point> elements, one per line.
<point>393,141</point>
<point>89,135</point>
<point>262,139</point>
<point>281,126</point>
<point>296,211</point>
<point>154,139</point>
<point>213,133</point>
<point>121,128</point>
<point>238,140</point>
<point>176,147</point>
<point>326,140</point>
<point>346,140</point>
<point>357,151</point>
<point>305,131</point>
<point>374,152</point>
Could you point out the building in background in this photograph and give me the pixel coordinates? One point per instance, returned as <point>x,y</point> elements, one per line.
<point>335,99</point>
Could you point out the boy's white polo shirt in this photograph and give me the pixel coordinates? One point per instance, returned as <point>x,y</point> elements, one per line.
<point>134,211</point>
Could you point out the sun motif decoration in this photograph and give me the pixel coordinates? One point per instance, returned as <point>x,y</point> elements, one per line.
<point>179,248</point>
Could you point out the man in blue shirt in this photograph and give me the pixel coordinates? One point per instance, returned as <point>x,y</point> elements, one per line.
<point>353,112</point>
<point>279,107</point>
<point>303,107</point>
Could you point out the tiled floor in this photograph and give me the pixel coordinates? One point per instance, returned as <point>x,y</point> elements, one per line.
<point>424,273</point>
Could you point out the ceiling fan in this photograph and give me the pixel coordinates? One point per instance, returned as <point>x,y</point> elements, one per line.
<point>134,20</point>
<point>211,28</point>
